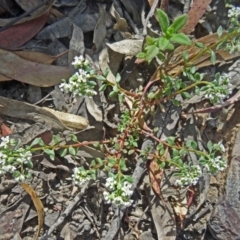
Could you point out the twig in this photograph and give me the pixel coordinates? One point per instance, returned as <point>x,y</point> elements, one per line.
<point>68,210</point>
<point>150,14</point>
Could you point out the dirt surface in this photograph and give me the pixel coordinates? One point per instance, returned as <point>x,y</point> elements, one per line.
<point>109,34</point>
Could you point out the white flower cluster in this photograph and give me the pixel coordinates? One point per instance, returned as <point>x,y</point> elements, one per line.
<point>12,160</point>
<point>214,165</point>
<point>80,176</point>
<point>120,193</point>
<point>80,83</point>
<point>80,62</point>
<point>222,89</point>
<point>233,47</point>
<point>234,12</point>
<point>189,176</point>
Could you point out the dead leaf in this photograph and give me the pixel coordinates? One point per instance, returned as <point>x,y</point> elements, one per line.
<point>38,56</point>
<point>45,7</point>
<point>4,129</point>
<point>100,28</point>
<point>128,47</point>
<point>37,74</point>
<point>47,116</point>
<point>38,205</point>
<point>155,176</point>
<point>70,120</point>
<point>197,10</point>
<point>93,109</point>
<point>19,34</point>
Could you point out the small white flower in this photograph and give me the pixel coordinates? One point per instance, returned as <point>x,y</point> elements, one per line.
<point>4,142</point>
<point>9,168</point>
<point>20,178</point>
<point>222,147</point>
<point>111,183</point>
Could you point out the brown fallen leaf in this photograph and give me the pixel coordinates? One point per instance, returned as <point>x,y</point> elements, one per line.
<point>4,129</point>
<point>37,74</point>
<point>38,56</point>
<point>19,34</point>
<point>55,119</point>
<point>38,12</point>
<point>197,10</point>
<point>38,205</point>
<point>155,176</point>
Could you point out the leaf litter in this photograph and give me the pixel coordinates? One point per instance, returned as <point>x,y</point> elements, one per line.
<point>109,34</point>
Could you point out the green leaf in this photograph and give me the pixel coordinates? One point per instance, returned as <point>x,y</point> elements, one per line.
<point>221,45</point>
<point>121,97</point>
<point>163,20</point>
<point>128,178</point>
<point>175,152</point>
<point>199,45</point>
<point>179,23</point>
<point>130,152</point>
<point>181,38</point>
<point>72,151</point>
<point>182,152</point>
<point>210,146</point>
<point>170,47</point>
<point>103,87</point>
<point>213,57</point>
<point>163,43</point>
<point>50,153</point>
<point>55,139</point>
<point>150,41</point>
<point>100,78</point>
<point>118,78</point>
<point>74,138</point>
<point>219,31</point>
<point>36,141</point>
<point>112,94</point>
<point>106,72</point>
<point>63,152</point>
<point>171,140</point>
<point>151,95</point>
<point>175,102</point>
<point>122,164</point>
<point>141,55</point>
<point>186,95</point>
<point>185,56</point>
<point>152,52</point>
<point>162,165</point>
<point>30,164</point>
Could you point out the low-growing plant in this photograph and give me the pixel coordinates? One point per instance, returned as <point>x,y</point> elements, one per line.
<point>122,150</point>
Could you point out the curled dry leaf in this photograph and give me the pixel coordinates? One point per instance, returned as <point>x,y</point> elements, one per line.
<point>38,205</point>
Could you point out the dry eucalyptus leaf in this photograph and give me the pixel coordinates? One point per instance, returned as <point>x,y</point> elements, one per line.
<point>76,46</point>
<point>100,28</point>
<point>93,109</point>
<point>197,10</point>
<point>127,47</point>
<point>35,14</point>
<point>47,116</point>
<point>34,73</point>
<point>108,59</point>
<point>70,120</point>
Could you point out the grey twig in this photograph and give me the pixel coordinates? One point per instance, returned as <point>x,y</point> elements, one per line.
<point>150,14</point>
<point>68,210</point>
